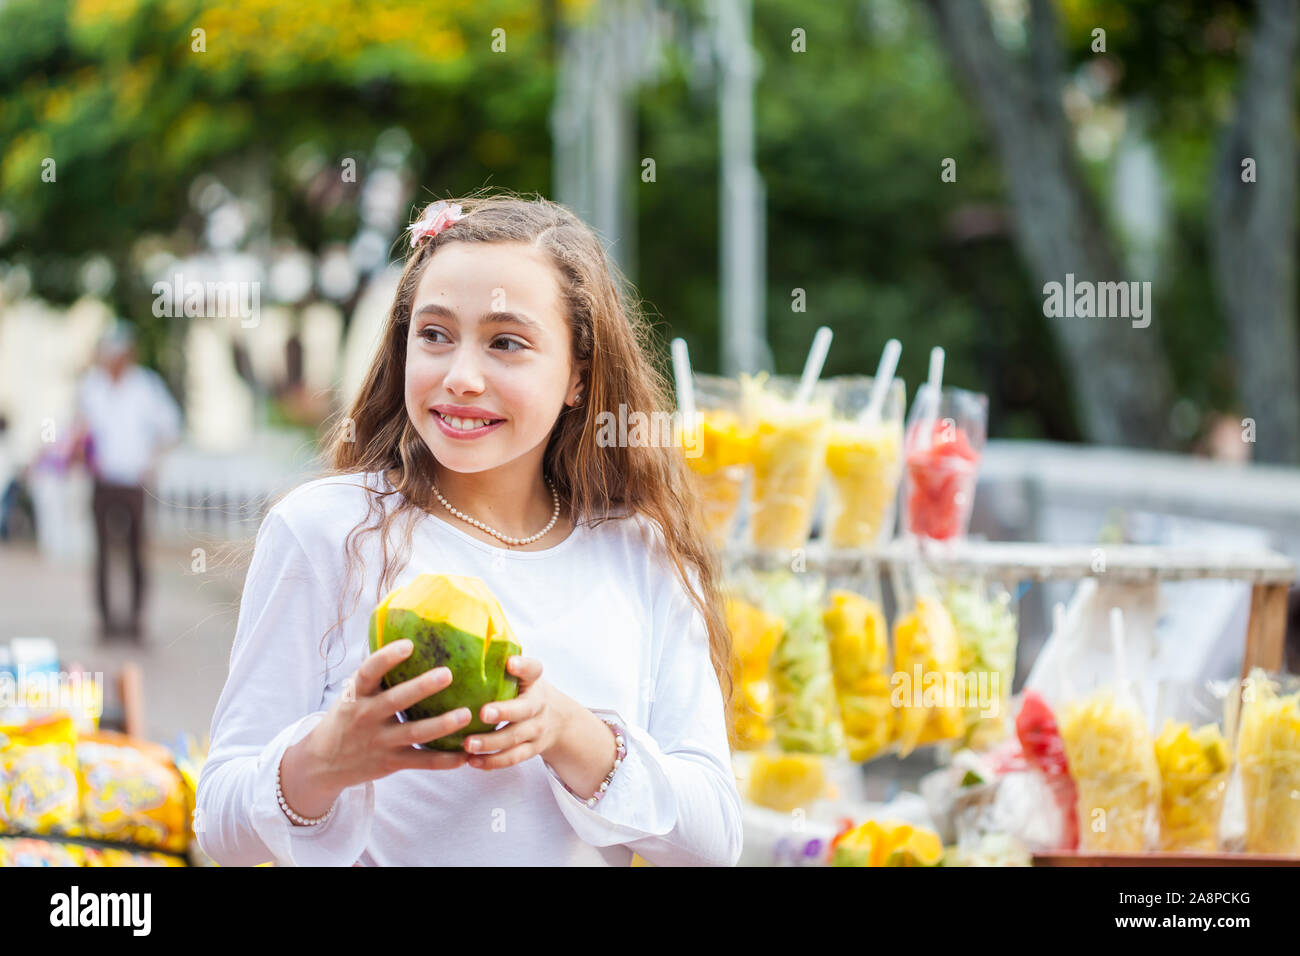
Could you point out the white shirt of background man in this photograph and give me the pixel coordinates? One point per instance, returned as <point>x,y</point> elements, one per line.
<point>129,420</point>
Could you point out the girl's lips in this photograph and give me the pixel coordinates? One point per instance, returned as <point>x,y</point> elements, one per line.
<point>451,432</point>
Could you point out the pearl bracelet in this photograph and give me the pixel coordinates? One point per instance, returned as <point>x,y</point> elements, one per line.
<point>619,755</point>
<point>295,817</point>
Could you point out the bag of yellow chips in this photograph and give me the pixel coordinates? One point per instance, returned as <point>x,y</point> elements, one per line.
<point>131,791</point>
<point>112,856</point>
<point>38,776</point>
<point>30,851</point>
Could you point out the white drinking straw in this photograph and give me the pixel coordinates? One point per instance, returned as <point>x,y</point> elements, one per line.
<point>928,398</point>
<point>935,381</point>
<point>1058,631</point>
<point>880,385</point>
<point>812,368</point>
<point>1117,645</point>
<point>684,383</point>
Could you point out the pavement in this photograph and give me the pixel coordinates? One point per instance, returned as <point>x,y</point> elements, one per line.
<point>189,625</point>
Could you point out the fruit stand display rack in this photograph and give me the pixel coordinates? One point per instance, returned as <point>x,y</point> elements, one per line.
<point>1269,573</point>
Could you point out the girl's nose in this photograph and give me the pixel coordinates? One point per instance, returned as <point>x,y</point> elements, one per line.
<point>463,375</point>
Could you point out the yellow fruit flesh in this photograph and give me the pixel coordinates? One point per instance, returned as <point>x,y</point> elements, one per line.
<point>787,469</point>
<point>755,635</point>
<point>888,843</point>
<point>1268,753</point>
<point>864,464</point>
<point>789,460</point>
<point>860,654</point>
<point>464,602</point>
<point>718,455</point>
<point>925,648</point>
<point>1112,760</point>
<point>786,781</point>
<point>723,442</point>
<point>1193,779</point>
<point>381,616</point>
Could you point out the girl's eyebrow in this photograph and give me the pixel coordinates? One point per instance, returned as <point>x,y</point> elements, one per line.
<point>488,318</point>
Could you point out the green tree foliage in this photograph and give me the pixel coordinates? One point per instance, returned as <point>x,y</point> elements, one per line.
<point>852,137</point>
<point>132,102</point>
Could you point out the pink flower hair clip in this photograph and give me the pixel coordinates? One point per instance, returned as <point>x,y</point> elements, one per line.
<point>436,217</point>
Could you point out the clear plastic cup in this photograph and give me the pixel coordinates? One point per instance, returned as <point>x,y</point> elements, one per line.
<point>720,454</point>
<point>1112,761</point>
<point>1113,810</point>
<point>1271,787</point>
<point>1191,805</point>
<point>1268,759</point>
<point>863,463</point>
<point>789,458</point>
<point>1194,756</point>
<point>942,461</point>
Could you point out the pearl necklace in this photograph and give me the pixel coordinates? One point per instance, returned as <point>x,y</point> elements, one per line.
<point>555,516</point>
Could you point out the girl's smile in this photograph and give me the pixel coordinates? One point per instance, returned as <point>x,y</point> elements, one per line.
<point>488,356</point>
<point>462,429</point>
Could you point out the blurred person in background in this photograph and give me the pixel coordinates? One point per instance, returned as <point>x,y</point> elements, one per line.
<point>126,421</point>
<point>1226,438</point>
<point>10,475</point>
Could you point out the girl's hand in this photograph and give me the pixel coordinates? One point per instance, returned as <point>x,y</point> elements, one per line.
<point>536,716</point>
<point>361,738</point>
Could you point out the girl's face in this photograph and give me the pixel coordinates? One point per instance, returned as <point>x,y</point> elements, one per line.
<point>487,340</point>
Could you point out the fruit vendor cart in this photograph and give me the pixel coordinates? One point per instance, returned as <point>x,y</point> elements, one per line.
<point>1270,574</point>
<point>1139,572</point>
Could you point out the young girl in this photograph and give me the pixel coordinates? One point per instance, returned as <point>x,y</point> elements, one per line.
<point>471,449</point>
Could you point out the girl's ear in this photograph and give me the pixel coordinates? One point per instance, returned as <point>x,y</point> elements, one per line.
<point>577,387</point>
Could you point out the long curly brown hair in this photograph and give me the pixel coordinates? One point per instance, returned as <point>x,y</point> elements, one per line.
<point>611,342</point>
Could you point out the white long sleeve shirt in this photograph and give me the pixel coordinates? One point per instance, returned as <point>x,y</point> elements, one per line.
<point>605,614</point>
<point>128,420</point>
